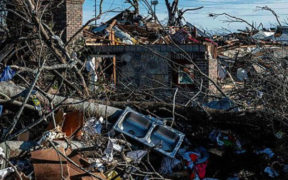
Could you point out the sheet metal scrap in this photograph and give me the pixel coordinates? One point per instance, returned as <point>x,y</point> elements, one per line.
<point>48,164</point>
<point>73,122</point>
<point>78,174</point>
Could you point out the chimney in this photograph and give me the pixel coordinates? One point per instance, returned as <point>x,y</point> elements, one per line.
<point>68,18</point>
<point>74,16</point>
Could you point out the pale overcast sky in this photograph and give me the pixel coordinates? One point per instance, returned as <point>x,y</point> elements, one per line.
<point>242,8</point>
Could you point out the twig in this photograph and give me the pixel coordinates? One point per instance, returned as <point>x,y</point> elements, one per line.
<point>174,101</point>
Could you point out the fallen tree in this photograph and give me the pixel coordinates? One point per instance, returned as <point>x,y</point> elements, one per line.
<point>89,107</point>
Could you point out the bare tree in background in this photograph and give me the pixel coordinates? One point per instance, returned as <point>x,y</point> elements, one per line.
<point>176,15</point>
<point>266,8</point>
<point>172,11</point>
<point>135,4</point>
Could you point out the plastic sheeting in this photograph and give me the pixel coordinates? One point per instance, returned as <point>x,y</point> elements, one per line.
<point>5,172</point>
<point>126,38</point>
<point>99,29</point>
<point>271,172</point>
<point>222,72</point>
<point>267,151</point>
<point>93,126</point>
<point>242,74</point>
<point>7,74</point>
<point>168,164</point>
<point>198,156</point>
<point>109,151</point>
<point>2,155</point>
<point>90,67</point>
<point>223,104</point>
<point>136,156</point>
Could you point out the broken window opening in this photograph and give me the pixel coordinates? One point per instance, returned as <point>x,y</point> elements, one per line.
<point>186,74</point>
<point>102,69</point>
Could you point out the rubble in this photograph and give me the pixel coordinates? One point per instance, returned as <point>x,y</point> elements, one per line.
<point>132,98</point>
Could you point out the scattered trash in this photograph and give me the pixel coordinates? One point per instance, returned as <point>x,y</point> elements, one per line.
<point>111,146</point>
<point>5,172</point>
<point>227,139</point>
<point>90,67</point>
<point>278,135</point>
<point>223,104</point>
<point>2,155</point>
<point>113,175</point>
<point>126,38</point>
<point>7,74</point>
<point>271,172</point>
<point>36,103</point>
<point>267,151</point>
<point>136,156</point>
<point>242,74</point>
<point>168,164</point>
<point>222,72</point>
<point>73,125</point>
<point>97,164</point>
<point>50,136</point>
<point>197,160</point>
<point>260,94</point>
<point>93,126</point>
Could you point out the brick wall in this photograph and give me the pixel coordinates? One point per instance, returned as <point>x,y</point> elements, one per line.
<point>68,18</point>
<point>74,17</point>
<point>65,18</point>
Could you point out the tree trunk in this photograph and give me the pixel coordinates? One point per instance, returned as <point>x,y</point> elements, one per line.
<point>89,107</point>
<point>172,12</point>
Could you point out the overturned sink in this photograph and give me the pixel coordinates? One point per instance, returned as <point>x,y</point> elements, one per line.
<point>164,138</point>
<point>149,131</point>
<point>135,125</point>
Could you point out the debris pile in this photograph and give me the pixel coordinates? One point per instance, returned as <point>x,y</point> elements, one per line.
<point>129,29</point>
<point>216,107</point>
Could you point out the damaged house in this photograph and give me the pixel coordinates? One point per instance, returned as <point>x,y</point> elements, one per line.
<point>144,56</point>
<point>137,53</point>
<point>152,66</point>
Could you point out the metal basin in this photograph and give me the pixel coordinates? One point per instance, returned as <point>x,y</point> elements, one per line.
<point>164,139</point>
<point>150,131</point>
<point>135,125</point>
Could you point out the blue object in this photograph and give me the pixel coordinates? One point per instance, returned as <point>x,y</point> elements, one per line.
<point>99,28</point>
<point>25,92</point>
<point>7,74</point>
<point>266,151</point>
<point>98,127</point>
<point>223,104</point>
<point>202,154</point>
<point>168,164</point>
<point>271,172</point>
<point>1,109</point>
